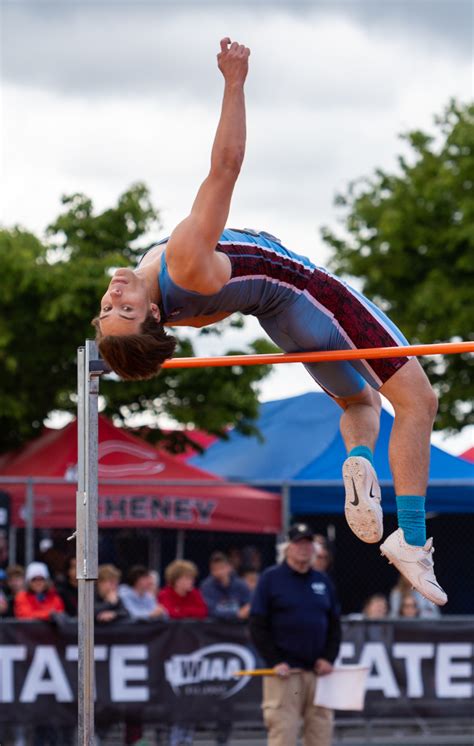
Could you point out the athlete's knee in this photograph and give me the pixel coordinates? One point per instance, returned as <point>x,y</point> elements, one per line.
<point>424,403</point>
<point>430,401</point>
<point>420,399</point>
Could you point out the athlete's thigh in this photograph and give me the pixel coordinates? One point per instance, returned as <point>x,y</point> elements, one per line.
<point>308,325</point>
<point>301,329</point>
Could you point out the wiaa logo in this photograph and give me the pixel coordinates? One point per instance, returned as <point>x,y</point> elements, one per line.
<point>210,670</point>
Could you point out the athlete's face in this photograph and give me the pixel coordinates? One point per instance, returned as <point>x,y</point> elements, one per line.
<point>125,304</point>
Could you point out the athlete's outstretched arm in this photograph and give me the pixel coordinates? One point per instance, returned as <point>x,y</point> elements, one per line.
<point>190,249</point>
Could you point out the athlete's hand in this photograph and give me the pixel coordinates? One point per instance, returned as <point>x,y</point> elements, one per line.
<point>233,61</point>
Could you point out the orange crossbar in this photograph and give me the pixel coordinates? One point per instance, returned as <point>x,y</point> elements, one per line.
<point>445,348</point>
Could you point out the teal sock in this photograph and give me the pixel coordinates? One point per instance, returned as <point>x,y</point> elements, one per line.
<point>411,518</point>
<point>362,451</point>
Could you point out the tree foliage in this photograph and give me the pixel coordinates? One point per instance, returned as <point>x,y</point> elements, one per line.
<point>410,237</point>
<point>50,292</point>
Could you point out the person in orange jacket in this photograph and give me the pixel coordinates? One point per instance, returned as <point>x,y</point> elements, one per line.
<point>39,600</point>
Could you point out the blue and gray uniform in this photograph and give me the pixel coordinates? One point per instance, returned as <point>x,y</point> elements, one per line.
<point>294,617</point>
<point>302,307</point>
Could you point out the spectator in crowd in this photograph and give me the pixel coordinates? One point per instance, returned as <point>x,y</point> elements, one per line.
<point>250,578</point>
<point>154,583</point>
<point>3,546</point>
<point>322,556</point>
<point>251,557</point>
<point>295,624</point>
<point>234,555</point>
<point>281,551</point>
<point>375,607</point>
<point>409,606</point>
<point>39,600</point>
<point>179,597</point>
<point>3,598</point>
<point>426,608</point>
<point>15,582</point>
<point>226,596</point>
<point>137,596</point>
<point>108,606</point>
<point>182,601</point>
<point>53,557</point>
<point>68,589</point>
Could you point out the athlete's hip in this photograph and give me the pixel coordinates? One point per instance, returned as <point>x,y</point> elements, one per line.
<point>330,315</point>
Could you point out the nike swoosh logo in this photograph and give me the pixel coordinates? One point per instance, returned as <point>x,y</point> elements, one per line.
<point>435,585</point>
<point>355,501</point>
<point>371,488</point>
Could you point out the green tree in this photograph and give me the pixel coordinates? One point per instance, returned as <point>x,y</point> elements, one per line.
<point>50,292</point>
<point>410,237</point>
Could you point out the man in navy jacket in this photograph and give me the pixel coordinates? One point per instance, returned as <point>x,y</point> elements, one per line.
<point>226,596</point>
<point>295,624</point>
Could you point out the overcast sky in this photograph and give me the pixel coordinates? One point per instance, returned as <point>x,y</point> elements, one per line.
<point>97,95</point>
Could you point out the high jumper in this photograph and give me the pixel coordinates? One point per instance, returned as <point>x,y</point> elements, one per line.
<point>204,272</point>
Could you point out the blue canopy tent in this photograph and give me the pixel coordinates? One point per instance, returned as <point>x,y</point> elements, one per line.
<point>302,448</point>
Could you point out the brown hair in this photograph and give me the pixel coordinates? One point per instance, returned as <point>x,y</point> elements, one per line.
<point>375,597</point>
<point>15,571</point>
<point>135,573</point>
<point>108,572</point>
<point>218,557</point>
<point>136,357</point>
<point>177,569</point>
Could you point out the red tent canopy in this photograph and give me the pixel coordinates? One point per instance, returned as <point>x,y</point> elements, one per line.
<point>219,507</point>
<point>201,438</point>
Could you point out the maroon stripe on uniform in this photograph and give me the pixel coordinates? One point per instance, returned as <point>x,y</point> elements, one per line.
<point>256,260</point>
<point>361,326</point>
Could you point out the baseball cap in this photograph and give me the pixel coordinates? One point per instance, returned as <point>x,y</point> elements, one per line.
<point>300,531</point>
<point>36,570</point>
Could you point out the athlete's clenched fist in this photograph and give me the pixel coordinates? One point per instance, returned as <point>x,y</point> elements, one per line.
<point>233,61</point>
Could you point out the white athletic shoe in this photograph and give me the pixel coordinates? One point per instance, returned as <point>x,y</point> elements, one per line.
<point>415,564</point>
<point>363,499</point>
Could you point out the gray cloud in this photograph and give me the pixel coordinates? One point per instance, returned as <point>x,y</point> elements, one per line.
<point>158,48</point>
<point>448,21</point>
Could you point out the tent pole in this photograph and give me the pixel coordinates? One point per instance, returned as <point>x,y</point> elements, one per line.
<point>285,509</point>
<point>12,545</point>
<point>30,523</point>
<point>154,550</point>
<point>180,539</point>
<point>87,532</point>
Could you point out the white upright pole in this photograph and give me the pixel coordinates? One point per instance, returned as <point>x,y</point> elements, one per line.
<point>87,532</point>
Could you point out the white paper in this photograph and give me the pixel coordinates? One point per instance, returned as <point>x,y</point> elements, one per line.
<point>343,689</point>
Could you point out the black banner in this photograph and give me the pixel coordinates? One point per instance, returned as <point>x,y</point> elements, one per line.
<point>184,671</point>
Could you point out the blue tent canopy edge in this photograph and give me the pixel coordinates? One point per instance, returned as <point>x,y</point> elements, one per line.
<point>302,447</point>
